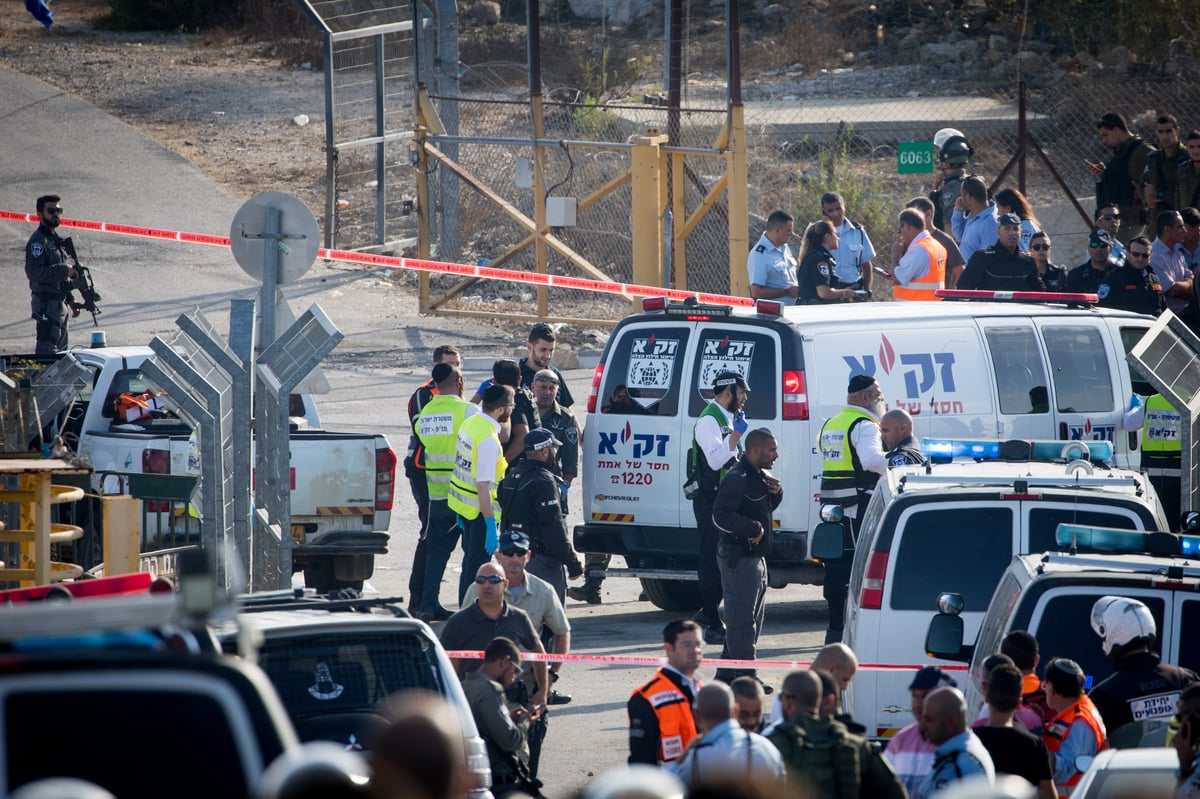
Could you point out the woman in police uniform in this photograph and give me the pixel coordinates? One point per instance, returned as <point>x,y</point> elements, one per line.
<point>818,281</point>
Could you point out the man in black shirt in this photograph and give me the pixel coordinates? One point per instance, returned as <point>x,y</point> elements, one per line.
<point>1002,267</point>
<point>1133,286</point>
<point>541,347</point>
<point>1087,277</point>
<point>1013,749</point>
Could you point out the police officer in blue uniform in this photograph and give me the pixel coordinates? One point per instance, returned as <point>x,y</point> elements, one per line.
<point>771,265</point>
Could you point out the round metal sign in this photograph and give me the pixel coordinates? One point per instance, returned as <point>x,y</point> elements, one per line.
<point>296,238</point>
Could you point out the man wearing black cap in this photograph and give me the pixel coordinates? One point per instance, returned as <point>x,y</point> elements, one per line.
<point>1002,266</point>
<point>1118,182</point>
<point>715,449</point>
<point>854,458</point>
<point>1087,277</point>
<point>530,501</point>
<point>909,752</point>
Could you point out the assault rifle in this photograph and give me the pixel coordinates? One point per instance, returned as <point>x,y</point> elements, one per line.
<point>82,282</point>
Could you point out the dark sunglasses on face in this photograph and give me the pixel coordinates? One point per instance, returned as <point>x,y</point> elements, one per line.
<point>1041,247</point>
<point>1110,217</point>
<point>1095,245</point>
<point>1133,254</point>
<point>54,211</point>
<point>513,553</point>
<point>493,579</point>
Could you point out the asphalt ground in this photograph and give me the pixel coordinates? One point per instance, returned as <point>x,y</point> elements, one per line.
<point>107,171</point>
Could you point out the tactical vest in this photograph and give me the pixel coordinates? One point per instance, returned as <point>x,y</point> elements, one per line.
<point>676,724</point>
<point>1115,186</point>
<point>1161,447</point>
<point>1058,727</point>
<point>843,480</point>
<point>437,428</point>
<point>709,479</point>
<point>463,497</point>
<point>922,288</point>
<point>818,752</point>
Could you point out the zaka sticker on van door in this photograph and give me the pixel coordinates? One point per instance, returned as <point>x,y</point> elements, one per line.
<point>722,355</point>
<point>651,364</point>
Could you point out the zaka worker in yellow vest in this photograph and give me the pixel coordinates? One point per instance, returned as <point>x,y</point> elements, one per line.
<point>479,466</point>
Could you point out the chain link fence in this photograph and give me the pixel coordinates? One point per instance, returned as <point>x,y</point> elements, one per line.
<point>838,131</point>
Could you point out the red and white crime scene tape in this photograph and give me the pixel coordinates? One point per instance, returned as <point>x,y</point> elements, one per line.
<point>730,663</point>
<point>440,267</point>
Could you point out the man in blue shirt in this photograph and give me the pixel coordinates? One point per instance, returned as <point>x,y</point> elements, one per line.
<point>771,265</point>
<point>959,754</point>
<point>974,220</point>
<point>854,252</point>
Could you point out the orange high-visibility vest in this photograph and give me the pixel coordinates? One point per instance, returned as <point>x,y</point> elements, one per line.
<point>922,288</point>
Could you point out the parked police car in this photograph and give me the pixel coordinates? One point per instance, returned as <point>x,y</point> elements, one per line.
<point>966,370</point>
<point>956,527</point>
<point>1051,596</point>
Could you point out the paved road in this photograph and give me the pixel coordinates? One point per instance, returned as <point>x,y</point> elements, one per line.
<point>107,171</point>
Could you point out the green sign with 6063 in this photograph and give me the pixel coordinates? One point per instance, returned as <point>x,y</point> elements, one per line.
<point>914,157</point>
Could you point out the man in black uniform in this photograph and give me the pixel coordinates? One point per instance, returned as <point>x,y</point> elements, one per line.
<point>48,272</point>
<point>530,499</point>
<point>562,424</point>
<point>1141,687</point>
<point>743,516</point>
<point>1002,267</point>
<point>1087,277</point>
<point>895,428</point>
<point>1133,286</point>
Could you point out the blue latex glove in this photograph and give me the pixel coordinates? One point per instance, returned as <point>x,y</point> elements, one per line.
<point>484,386</point>
<point>1135,401</point>
<point>563,489</point>
<point>460,522</point>
<point>739,423</point>
<point>491,541</point>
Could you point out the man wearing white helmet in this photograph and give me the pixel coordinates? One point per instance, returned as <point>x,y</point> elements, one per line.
<point>1141,687</point>
<point>953,155</point>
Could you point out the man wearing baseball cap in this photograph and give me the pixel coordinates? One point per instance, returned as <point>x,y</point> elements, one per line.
<point>1087,277</point>
<point>1002,266</point>
<point>716,446</point>
<point>854,459</point>
<point>529,497</point>
<point>909,752</point>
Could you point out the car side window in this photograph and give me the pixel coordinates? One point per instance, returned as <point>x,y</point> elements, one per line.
<point>643,373</point>
<point>1129,337</point>
<point>1019,370</point>
<point>963,550</point>
<point>1189,642</point>
<point>752,355</point>
<point>1079,362</point>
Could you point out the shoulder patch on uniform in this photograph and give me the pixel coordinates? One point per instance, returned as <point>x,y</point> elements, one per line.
<point>761,248</point>
<point>36,249</point>
<point>823,268</point>
<point>898,460</point>
<point>1102,291</point>
<point>571,435</point>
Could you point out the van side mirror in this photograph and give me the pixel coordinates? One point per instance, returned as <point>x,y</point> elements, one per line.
<point>944,639</point>
<point>828,541</point>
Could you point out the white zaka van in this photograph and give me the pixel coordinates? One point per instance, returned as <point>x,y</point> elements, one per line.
<point>986,370</point>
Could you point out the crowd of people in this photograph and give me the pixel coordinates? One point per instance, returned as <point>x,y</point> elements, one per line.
<point>1143,249</point>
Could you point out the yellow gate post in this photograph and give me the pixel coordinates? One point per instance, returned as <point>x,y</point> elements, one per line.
<point>646,170</point>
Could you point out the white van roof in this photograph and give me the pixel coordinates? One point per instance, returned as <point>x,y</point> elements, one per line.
<point>1114,565</point>
<point>1037,474</point>
<point>868,314</point>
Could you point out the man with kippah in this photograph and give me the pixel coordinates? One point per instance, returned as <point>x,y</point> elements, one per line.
<point>716,447</point>
<point>854,459</point>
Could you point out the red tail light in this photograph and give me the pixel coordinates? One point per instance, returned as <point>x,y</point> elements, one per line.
<point>872,590</point>
<point>385,478</point>
<point>595,392</point>
<point>795,395</point>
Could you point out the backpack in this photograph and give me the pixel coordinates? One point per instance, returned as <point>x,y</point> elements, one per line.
<point>827,757</point>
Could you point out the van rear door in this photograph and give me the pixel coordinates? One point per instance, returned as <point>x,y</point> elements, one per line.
<point>637,439</point>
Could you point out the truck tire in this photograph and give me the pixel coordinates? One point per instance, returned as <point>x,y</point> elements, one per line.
<point>674,595</point>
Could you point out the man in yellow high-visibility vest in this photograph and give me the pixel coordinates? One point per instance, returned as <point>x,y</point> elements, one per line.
<point>479,466</point>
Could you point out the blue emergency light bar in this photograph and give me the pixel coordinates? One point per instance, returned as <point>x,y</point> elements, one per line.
<point>1110,539</point>
<point>944,450</point>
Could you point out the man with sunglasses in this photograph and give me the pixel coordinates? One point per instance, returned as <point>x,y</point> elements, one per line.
<point>489,616</point>
<point>1133,286</point>
<point>1087,277</point>
<point>49,275</point>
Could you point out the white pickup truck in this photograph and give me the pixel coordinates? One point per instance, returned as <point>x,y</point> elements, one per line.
<point>342,483</point>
